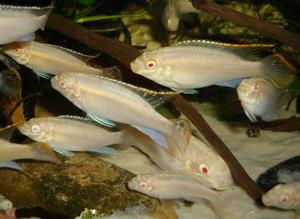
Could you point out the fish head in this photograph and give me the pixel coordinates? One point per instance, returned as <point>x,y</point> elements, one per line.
<point>36,129</point>
<point>206,165</point>
<point>283,196</point>
<point>18,51</point>
<point>142,183</point>
<point>150,65</point>
<point>170,18</point>
<point>68,85</point>
<point>250,91</point>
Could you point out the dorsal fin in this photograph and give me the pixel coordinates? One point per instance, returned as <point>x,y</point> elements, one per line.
<point>78,118</point>
<point>79,55</point>
<point>155,98</point>
<point>248,51</point>
<point>38,11</point>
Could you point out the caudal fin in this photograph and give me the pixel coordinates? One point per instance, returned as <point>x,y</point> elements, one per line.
<point>43,152</point>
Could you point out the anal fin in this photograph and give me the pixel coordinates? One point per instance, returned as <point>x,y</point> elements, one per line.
<point>104,150</point>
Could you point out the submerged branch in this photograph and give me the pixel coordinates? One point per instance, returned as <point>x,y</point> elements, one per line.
<point>241,19</point>
<point>125,54</point>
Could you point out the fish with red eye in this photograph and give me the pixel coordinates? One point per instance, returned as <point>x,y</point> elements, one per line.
<point>199,167</point>
<point>17,50</point>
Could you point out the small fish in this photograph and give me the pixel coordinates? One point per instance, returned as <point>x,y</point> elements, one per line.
<point>172,186</point>
<point>71,133</point>
<point>200,63</point>
<point>284,196</point>
<point>260,98</point>
<point>19,23</point>
<point>285,172</point>
<point>197,159</point>
<point>11,151</point>
<point>102,97</point>
<point>46,59</point>
<point>174,11</point>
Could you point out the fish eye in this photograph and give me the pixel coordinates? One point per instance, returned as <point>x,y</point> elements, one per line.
<point>284,199</point>
<point>151,64</point>
<point>35,128</point>
<point>203,169</point>
<point>256,87</point>
<point>17,50</point>
<point>62,84</point>
<point>143,185</point>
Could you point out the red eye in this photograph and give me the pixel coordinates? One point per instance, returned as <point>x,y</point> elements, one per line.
<point>62,84</point>
<point>284,199</point>
<point>17,50</point>
<point>203,169</point>
<point>151,64</point>
<point>256,87</point>
<point>143,185</point>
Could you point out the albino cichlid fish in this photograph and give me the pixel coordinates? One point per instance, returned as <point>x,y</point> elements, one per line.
<point>107,99</point>
<point>260,98</point>
<point>196,159</point>
<point>45,59</point>
<point>173,12</point>
<point>11,151</point>
<point>70,133</point>
<point>284,196</point>
<point>196,64</point>
<point>18,23</point>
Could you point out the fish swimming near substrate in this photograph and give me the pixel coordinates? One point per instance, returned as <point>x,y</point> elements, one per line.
<point>12,151</point>
<point>45,59</point>
<point>18,23</point>
<point>260,98</point>
<point>201,63</point>
<point>106,100</point>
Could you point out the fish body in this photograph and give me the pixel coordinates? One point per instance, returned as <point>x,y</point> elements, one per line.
<point>173,12</point>
<point>47,58</point>
<point>171,186</point>
<point>284,196</point>
<point>11,151</point>
<point>260,98</point>
<point>69,134</point>
<point>109,99</point>
<point>196,64</point>
<point>197,160</point>
<point>19,23</point>
<point>285,172</point>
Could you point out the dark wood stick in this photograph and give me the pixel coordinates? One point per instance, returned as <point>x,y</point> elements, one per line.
<point>264,27</point>
<point>286,125</point>
<point>125,54</point>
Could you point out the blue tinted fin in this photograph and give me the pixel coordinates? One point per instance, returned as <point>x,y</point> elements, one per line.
<point>104,150</point>
<point>28,37</point>
<point>43,75</point>
<point>64,152</point>
<point>155,135</point>
<point>102,121</point>
<point>232,83</point>
<point>11,165</point>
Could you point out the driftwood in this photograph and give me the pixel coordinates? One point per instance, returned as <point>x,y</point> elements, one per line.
<point>286,125</point>
<point>83,181</point>
<point>125,54</point>
<point>264,27</point>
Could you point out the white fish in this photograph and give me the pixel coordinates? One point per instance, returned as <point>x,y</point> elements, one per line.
<point>65,134</point>
<point>174,11</point>
<point>12,151</point>
<point>49,59</point>
<point>113,100</point>
<point>195,159</point>
<point>196,64</point>
<point>19,23</point>
<point>260,98</point>
<point>284,196</point>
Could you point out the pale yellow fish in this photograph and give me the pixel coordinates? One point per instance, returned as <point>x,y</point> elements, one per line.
<point>260,98</point>
<point>49,59</point>
<point>174,11</point>
<point>113,100</point>
<point>196,160</point>
<point>284,196</point>
<point>18,23</point>
<point>200,63</point>
<point>71,133</point>
<point>12,151</point>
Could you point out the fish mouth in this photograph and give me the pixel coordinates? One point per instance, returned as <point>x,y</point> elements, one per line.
<point>133,184</point>
<point>24,128</point>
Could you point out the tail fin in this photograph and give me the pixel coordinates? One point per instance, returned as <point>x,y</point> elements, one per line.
<point>272,65</point>
<point>43,152</point>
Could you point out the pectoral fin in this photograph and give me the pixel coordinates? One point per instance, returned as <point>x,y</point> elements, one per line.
<point>64,152</point>
<point>43,75</point>
<point>233,83</point>
<point>182,134</point>
<point>251,116</point>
